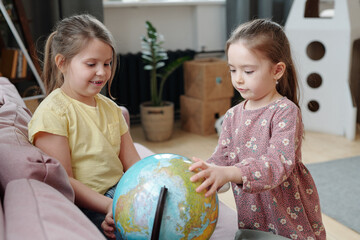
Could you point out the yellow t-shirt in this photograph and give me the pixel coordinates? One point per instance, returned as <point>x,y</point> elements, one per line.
<point>94,135</point>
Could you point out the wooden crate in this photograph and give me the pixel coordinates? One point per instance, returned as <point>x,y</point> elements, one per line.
<point>198,116</point>
<point>207,79</point>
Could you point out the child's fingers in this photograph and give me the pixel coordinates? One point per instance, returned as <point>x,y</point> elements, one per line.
<point>108,230</point>
<point>195,166</point>
<point>208,186</point>
<point>211,191</point>
<point>110,235</point>
<point>195,178</point>
<point>196,159</point>
<point>203,186</point>
<point>199,175</point>
<point>109,219</point>
<point>198,164</point>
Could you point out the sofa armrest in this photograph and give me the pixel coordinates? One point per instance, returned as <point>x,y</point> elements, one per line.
<point>35,210</point>
<point>9,93</point>
<point>18,157</point>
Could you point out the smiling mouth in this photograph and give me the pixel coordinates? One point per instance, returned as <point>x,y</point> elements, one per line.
<point>97,82</point>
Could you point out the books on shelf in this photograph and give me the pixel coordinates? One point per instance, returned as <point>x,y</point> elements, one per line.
<point>21,66</point>
<point>13,63</point>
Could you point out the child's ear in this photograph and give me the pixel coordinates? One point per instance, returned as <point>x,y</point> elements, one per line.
<point>279,70</point>
<point>60,62</point>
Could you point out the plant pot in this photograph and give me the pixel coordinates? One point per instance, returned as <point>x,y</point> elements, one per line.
<point>157,122</point>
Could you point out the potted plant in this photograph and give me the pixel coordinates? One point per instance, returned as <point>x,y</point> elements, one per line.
<point>157,115</point>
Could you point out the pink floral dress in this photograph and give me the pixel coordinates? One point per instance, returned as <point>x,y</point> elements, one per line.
<point>278,193</point>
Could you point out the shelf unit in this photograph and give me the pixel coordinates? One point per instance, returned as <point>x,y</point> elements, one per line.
<point>24,47</point>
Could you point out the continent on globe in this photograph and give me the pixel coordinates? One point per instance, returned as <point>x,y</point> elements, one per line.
<point>186,213</point>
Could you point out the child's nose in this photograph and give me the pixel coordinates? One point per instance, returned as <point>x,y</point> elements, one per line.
<point>100,71</point>
<point>239,78</point>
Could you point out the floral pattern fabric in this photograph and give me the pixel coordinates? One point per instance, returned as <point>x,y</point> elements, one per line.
<point>278,193</point>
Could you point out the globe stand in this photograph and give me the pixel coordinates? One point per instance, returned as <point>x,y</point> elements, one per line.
<point>158,215</point>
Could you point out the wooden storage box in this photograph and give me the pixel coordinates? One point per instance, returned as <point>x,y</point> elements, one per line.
<point>198,116</point>
<point>207,79</point>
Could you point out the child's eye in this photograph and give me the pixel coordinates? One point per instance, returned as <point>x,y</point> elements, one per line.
<point>90,64</point>
<point>232,70</point>
<point>249,72</point>
<point>108,64</point>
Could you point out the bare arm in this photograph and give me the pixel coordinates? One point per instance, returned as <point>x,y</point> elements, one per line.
<point>58,147</point>
<point>128,154</point>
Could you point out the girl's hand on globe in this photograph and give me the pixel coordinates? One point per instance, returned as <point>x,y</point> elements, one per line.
<point>108,225</point>
<point>214,176</point>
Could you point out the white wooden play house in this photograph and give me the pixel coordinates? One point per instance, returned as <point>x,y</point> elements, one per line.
<point>326,51</point>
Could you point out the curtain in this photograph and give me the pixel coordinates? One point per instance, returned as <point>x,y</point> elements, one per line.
<point>44,14</point>
<point>240,11</point>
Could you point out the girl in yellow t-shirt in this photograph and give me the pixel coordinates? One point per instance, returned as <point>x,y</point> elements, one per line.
<point>77,125</point>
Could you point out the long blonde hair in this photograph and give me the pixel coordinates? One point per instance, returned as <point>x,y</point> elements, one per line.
<point>268,38</point>
<point>70,36</point>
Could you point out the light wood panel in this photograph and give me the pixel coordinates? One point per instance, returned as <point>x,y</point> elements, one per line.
<point>317,147</point>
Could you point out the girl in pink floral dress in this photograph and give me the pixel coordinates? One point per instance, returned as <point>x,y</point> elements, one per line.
<point>259,149</point>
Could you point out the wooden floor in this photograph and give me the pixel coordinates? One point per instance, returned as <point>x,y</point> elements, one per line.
<point>317,147</point>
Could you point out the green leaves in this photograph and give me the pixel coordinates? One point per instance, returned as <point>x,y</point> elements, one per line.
<point>171,67</point>
<point>152,51</point>
<point>151,31</point>
<point>154,55</point>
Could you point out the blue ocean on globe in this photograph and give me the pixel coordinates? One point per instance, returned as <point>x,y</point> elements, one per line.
<point>186,213</point>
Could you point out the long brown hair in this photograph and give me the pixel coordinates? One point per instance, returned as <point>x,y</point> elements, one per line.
<point>268,38</point>
<point>70,36</point>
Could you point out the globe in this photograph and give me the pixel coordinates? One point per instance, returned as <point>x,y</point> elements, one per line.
<point>156,196</point>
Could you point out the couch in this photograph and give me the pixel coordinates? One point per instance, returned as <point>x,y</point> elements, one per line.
<point>37,201</point>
